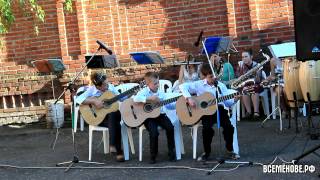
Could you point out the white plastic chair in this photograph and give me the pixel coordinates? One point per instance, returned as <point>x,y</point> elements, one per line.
<point>178,138</point>
<point>76,110</point>
<point>105,138</point>
<point>122,88</point>
<point>175,86</point>
<point>233,119</point>
<point>105,131</point>
<point>165,86</point>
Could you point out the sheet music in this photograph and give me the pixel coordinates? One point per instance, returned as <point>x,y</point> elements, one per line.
<point>283,50</point>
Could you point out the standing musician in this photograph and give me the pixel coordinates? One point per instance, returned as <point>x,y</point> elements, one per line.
<point>209,84</point>
<point>244,66</point>
<point>152,94</point>
<point>112,120</point>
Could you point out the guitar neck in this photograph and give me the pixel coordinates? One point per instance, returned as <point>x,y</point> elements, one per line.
<point>165,102</point>
<point>124,94</point>
<point>224,98</point>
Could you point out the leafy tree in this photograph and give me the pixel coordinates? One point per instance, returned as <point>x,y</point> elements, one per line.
<point>30,8</point>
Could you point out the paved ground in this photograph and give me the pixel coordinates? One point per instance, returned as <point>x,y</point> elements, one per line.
<point>30,147</point>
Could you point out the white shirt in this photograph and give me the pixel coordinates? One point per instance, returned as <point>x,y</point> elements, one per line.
<point>144,93</point>
<point>191,77</point>
<point>92,91</point>
<point>202,86</point>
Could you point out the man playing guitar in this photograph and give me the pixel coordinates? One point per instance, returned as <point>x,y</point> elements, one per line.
<point>151,94</point>
<point>111,120</point>
<point>200,87</point>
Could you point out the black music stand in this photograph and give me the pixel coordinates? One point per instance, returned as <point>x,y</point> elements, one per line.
<point>49,66</point>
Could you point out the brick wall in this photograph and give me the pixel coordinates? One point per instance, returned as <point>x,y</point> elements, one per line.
<point>170,27</point>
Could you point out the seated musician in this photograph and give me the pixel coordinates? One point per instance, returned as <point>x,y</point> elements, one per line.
<point>222,67</point>
<point>245,66</point>
<point>112,120</point>
<point>152,94</point>
<point>208,85</point>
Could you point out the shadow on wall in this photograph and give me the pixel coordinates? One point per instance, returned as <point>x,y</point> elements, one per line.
<point>185,20</point>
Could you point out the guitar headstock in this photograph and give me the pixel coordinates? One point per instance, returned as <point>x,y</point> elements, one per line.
<point>142,84</point>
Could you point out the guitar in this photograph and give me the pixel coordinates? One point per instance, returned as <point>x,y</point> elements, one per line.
<point>205,105</point>
<point>94,116</point>
<point>136,113</point>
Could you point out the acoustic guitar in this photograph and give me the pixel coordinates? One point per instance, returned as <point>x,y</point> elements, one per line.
<point>94,116</point>
<point>134,114</point>
<point>205,105</point>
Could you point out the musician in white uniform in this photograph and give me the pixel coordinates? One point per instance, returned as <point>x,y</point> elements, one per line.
<point>152,94</point>
<point>209,85</point>
<point>112,120</point>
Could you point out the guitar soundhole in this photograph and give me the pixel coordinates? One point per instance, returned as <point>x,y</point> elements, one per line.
<point>147,108</point>
<point>204,104</point>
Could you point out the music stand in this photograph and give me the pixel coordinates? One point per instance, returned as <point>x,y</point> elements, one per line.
<point>49,66</point>
<point>147,57</point>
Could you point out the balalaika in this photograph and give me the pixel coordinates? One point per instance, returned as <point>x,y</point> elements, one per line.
<point>94,116</point>
<point>134,114</point>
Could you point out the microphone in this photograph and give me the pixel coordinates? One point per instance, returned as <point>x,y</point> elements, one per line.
<point>196,44</point>
<point>103,46</point>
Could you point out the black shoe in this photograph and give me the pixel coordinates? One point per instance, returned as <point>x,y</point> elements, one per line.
<point>203,157</point>
<point>152,160</point>
<point>172,157</point>
<point>231,155</point>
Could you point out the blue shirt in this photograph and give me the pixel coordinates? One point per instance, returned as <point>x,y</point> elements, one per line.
<point>202,86</point>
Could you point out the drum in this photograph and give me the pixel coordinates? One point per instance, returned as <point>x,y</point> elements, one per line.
<point>308,73</point>
<point>291,80</point>
<point>54,113</point>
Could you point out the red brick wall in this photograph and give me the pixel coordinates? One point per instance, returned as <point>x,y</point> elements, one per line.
<point>170,27</point>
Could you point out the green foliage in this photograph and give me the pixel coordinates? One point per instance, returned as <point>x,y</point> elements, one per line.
<point>30,8</point>
<point>68,5</point>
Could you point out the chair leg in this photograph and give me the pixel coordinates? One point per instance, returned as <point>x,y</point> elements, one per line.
<point>75,123</point>
<point>106,147</point>
<point>125,142</point>
<point>238,110</point>
<point>81,123</point>
<point>177,139</point>
<point>141,128</point>
<point>90,142</point>
<point>129,131</point>
<point>266,105</point>
<point>273,104</point>
<point>194,140</point>
<point>181,140</point>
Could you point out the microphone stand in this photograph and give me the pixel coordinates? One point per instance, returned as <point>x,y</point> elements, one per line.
<point>69,87</point>
<point>219,161</point>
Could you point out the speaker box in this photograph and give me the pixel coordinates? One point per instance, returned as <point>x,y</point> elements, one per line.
<point>307,29</point>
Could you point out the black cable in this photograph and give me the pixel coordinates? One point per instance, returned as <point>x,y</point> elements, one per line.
<point>287,145</point>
